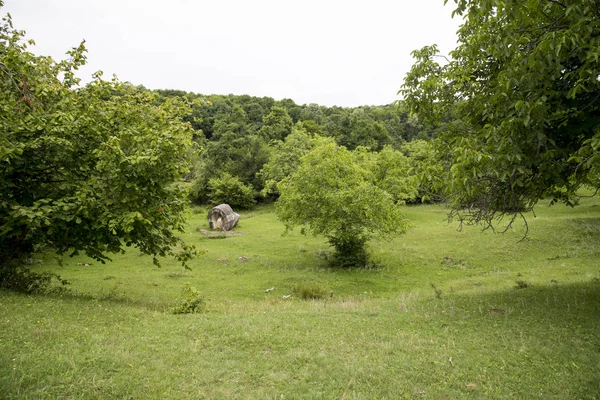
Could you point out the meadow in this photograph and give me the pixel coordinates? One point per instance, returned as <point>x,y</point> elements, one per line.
<point>442,314</point>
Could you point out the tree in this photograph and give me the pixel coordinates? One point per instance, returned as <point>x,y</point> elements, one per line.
<point>523,89</point>
<point>392,173</point>
<point>276,125</point>
<point>286,156</point>
<point>232,150</point>
<point>332,194</point>
<point>231,190</point>
<point>427,168</point>
<point>90,169</point>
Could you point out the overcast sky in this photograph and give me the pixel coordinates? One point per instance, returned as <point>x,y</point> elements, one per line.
<point>330,52</point>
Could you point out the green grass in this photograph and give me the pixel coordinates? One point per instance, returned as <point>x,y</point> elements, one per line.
<point>446,314</point>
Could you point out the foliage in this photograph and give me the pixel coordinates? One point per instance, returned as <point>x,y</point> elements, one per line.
<point>231,190</point>
<point>191,301</point>
<point>286,156</point>
<point>334,195</point>
<point>23,280</point>
<point>240,134</point>
<point>354,128</point>
<point>428,168</point>
<point>91,168</point>
<point>232,150</point>
<point>523,86</point>
<point>392,173</point>
<point>276,125</point>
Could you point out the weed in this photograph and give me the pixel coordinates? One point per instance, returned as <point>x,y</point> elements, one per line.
<point>322,254</point>
<point>438,292</point>
<point>191,301</point>
<point>522,285</point>
<point>450,263</point>
<point>310,291</point>
<point>112,293</point>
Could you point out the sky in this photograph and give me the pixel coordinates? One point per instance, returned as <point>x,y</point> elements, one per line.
<point>330,52</point>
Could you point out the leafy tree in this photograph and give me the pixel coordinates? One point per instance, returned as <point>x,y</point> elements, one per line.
<point>255,114</point>
<point>276,125</point>
<point>232,150</point>
<point>364,132</point>
<point>523,88</point>
<point>286,156</point>
<point>311,127</point>
<point>427,168</point>
<point>332,194</point>
<point>313,112</point>
<point>233,121</point>
<point>231,190</point>
<point>90,169</point>
<point>292,109</point>
<point>392,173</point>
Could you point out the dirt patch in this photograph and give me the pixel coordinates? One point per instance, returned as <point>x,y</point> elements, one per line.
<point>219,234</point>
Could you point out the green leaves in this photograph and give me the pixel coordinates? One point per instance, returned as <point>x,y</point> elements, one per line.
<point>334,193</point>
<point>523,87</point>
<point>85,168</point>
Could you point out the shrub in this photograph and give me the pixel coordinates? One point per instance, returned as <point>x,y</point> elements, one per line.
<point>191,301</point>
<point>231,190</point>
<point>23,280</point>
<point>310,291</point>
<point>349,252</point>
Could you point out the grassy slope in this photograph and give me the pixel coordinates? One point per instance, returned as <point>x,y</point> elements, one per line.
<point>383,334</point>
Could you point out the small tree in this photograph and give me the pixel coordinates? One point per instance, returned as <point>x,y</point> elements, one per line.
<point>334,195</point>
<point>90,169</point>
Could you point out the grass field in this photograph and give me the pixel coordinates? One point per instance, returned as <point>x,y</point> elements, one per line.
<point>443,315</point>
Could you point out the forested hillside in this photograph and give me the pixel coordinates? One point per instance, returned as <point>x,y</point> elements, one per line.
<point>246,144</point>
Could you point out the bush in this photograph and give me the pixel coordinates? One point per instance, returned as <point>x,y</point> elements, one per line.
<point>198,191</point>
<point>349,252</point>
<point>191,301</point>
<point>231,190</point>
<point>23,280</point>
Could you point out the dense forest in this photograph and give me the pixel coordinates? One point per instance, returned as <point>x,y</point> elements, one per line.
<point>246,144</point>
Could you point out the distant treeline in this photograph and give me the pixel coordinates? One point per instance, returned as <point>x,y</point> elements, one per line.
<point>247,144</point>
<point>372,126</point>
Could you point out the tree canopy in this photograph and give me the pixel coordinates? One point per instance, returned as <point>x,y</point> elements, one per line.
<point>522,90</point>
<point>334,193</point>
<point>93,168</point>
